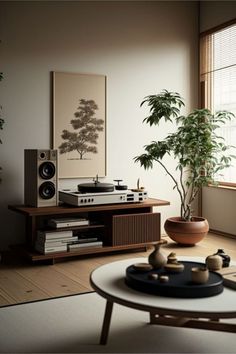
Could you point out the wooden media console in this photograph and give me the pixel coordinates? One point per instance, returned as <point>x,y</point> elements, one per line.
<point>122,226</point>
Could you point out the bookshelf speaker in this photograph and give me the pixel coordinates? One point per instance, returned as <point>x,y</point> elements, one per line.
<point>40,178</point>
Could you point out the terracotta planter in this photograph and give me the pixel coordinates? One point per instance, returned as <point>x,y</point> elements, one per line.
<point>186,232</point>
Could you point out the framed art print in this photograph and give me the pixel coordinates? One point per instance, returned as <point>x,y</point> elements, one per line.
<point>79,124</point>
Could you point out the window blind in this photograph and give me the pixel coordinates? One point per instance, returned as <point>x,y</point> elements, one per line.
<point>218,83</point>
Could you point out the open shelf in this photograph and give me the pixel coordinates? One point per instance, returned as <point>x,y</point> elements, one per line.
<point>34,256</point>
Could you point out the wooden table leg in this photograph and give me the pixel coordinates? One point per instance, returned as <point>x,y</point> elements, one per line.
<point>211,324</point>
<point>106,322</point>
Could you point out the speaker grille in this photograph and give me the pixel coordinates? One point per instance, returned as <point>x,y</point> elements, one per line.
<point>47,190</point>
<point>47,170</point>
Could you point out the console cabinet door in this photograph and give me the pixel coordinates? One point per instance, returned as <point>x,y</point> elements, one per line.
<point>135,228</point>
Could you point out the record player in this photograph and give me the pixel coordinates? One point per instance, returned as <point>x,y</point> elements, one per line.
<point>96,193</point>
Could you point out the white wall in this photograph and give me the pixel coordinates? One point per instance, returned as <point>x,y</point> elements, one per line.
<point>218,205</point>
<point>142,47</point>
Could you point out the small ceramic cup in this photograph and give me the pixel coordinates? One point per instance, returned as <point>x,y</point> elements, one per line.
<point>199,275</point>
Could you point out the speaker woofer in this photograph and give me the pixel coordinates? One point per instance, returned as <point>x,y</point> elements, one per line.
<point>47,170</point>
<point>47,190</point>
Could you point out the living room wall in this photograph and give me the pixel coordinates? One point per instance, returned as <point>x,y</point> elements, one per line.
<point>142,47</point>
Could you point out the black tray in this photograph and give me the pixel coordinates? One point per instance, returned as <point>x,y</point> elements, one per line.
<point>179,284</point>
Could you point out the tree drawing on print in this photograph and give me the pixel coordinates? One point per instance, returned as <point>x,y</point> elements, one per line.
<point>87,126</point>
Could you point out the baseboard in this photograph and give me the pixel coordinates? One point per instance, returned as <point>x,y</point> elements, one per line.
<point>221,233</point>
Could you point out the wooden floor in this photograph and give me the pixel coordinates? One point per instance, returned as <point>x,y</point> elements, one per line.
<point>22,282</point>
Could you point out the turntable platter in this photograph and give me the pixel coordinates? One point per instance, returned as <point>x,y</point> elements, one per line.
<point>96,187</point>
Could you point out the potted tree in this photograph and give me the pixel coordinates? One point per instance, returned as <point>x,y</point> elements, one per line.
<point>200,154</point>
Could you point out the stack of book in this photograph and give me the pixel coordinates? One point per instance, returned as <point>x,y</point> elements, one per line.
<point>85,240</point>
<point>67,222</point>
<point>54,241</point>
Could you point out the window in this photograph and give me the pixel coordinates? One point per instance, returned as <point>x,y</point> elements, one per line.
<point>218,83</point>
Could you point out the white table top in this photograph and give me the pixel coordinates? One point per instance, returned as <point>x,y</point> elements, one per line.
<point>108,281</point>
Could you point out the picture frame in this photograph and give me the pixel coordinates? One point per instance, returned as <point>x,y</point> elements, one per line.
<point>79,124</point>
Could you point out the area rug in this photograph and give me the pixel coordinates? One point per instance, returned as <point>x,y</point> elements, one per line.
<point>72,324</point>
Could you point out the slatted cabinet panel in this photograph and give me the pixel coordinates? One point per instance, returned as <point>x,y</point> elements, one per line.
<point>136,228</point>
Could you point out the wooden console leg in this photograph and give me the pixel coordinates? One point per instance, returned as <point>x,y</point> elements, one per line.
<point>152,317</point>
<point>106,322</point>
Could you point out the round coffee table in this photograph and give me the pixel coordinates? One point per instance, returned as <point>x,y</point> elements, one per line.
<point>202,313</point>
